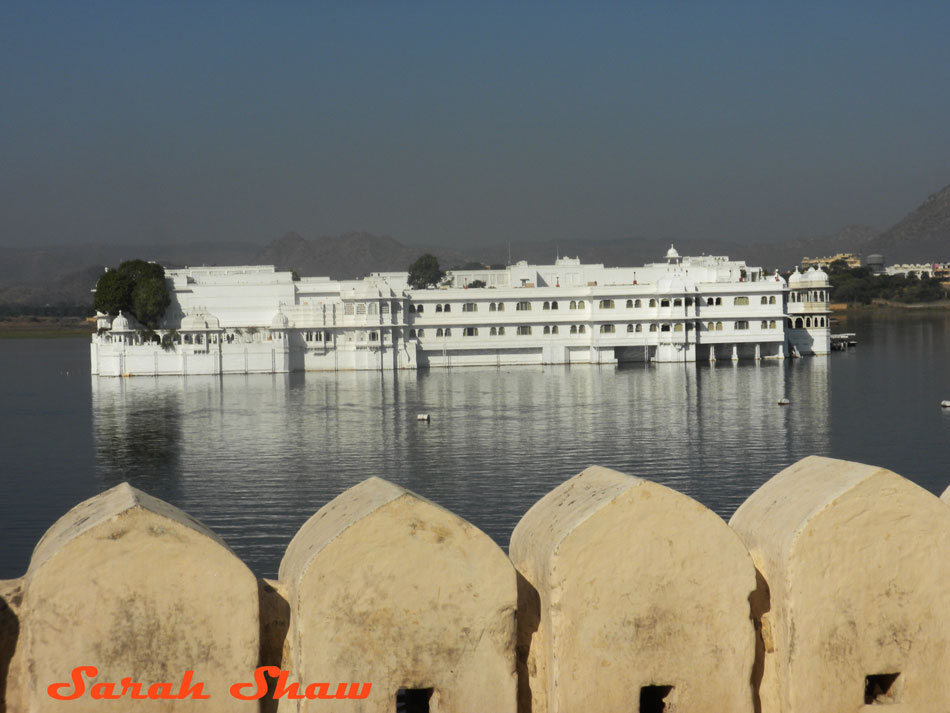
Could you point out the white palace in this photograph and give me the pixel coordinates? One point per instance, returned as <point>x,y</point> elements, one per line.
<point>253,319</point>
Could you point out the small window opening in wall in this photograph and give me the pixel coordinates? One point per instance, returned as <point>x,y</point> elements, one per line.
<point>882,688</point>
<point>653,699</point>
<point>413,700</point>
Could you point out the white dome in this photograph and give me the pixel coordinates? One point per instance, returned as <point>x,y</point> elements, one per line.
<point>671,254</point>
<point>193,323</point>
<point>280,321</point>
<point>776,278</point>
<point>795,277</point>
<point>121,324</point>
<point>820,275</point>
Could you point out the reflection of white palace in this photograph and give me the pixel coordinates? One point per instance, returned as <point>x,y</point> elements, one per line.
<point>254,319</point>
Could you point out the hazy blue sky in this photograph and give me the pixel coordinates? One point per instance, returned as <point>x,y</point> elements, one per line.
<point>453,123</point>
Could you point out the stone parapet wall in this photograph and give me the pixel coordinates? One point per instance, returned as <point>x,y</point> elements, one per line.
<point>828,590</point>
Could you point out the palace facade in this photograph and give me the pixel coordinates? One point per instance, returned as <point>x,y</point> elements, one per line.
<point>254,319</point>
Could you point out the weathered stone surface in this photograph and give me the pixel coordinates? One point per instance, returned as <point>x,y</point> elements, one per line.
<point>137,588</point>
<point>857,563</point>
<point>11,596</point>
<point>390,589</point>
<point>632,585</point>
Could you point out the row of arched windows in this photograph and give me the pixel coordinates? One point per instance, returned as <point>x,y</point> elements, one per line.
<point>807,322</point>
<point>808,296</point>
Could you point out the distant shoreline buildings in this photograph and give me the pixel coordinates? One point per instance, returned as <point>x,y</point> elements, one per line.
<point>254,319</point>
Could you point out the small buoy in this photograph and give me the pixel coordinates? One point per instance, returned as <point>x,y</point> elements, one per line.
<point>945,404</point>
<point>422,417</point>
<point>783,402</point>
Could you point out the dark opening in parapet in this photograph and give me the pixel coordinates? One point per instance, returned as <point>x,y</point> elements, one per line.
<point>653,699</point>
<point>882,688</point>
<point>413,700</point>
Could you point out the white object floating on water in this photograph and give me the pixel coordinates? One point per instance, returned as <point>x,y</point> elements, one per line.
<point>945,404</point>
<point>422,417</point>
<point>784,402</point>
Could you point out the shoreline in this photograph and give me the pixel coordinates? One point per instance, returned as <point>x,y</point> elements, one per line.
<point>34,327</point>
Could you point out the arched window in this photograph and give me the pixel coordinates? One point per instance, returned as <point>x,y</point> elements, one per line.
<point>419,309</point>
<point>764,300</point>
<point>678,327</point>
<point>547,330</point>
<point>689,301</point>
<point>412,334</point>
<point>710,326</point>
<point>764,325</point>
<point>637,304</point>
<point>771,324</point>
<point>710,302</point>
<point>524,330</point>
<point>665,328</point>
<point>606,304</point>
<point>554,329</point>
<point>547,305</point>
<point>744,300</point>
<point>554,305</point>
<point>677,302</point>
<point>447,308</point>
<point>470,307</point>
<point>573,329</point>
<point>639,328</point>
<point>629,304</point>
<point>573,304</point>
<point>652,302</point>
<point>742,324</point>
<point>438,308</point>
<point>653,327</point>
<point>523,307</point>
<point>439,332</point>
<point>501,331</point>
<point>799,323</point>
<point>491,307</point>
<point>664,302</point>
<point>448,332</point>
<point>718,326</point>
<point>629,329</point>
<point>470,332</point>
<point>580,304</point>
<point>501,308</point>
<point>808,321</point>
<point>493,332</point>
<point>718,301</point>
<point>581,329</point>
<point>412,309</point>
<point>772,300</point>
<point>607,329</point>
<point>420,333</point>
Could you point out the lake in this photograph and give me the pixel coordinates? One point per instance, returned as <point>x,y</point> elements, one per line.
<point>254,456</point>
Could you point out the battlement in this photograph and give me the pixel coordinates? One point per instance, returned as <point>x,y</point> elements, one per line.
<point>828,590</point>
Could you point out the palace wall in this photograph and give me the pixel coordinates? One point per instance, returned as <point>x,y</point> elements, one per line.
<point>828,590</point>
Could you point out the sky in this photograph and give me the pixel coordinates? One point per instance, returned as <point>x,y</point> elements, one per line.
<point>455,124</point>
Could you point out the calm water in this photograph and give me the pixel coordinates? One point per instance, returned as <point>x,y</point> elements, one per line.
<point>253,457</point>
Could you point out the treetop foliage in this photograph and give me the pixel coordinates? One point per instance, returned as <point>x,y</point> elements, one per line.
<point>136,287</point>
<point>425,272</point>
<point>860,285</point>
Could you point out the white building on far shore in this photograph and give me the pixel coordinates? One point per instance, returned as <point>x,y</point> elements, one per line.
<point>253,319</point>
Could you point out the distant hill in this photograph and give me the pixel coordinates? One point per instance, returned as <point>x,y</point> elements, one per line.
<point>66,274</point>
<point>347,256</point>
<point>923,235</point>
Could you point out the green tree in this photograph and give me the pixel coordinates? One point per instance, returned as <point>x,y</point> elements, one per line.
<point>425,272</point>
<point>476,283</point>
<point>137,287</point>
<point>150,299</point>
<point>114,292</point>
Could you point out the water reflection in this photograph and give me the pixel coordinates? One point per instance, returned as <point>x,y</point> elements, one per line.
<point>254,456</point>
